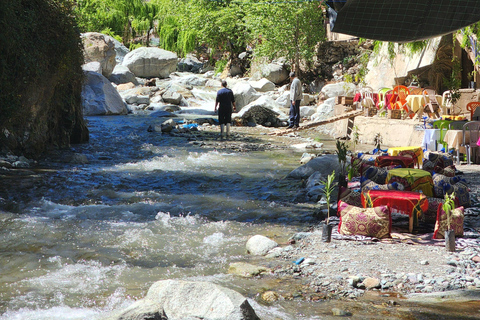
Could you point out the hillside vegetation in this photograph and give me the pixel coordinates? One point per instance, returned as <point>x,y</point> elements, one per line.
<point>40,76</point>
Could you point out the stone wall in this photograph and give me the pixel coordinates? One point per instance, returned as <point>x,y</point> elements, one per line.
<point>395,133</point>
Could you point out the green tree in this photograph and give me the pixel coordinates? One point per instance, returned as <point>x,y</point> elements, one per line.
<point>115,15</point>
<point>290,30</point>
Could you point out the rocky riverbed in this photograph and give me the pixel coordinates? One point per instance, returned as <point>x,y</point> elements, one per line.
<point>352,270</point>
<point>404,266</point>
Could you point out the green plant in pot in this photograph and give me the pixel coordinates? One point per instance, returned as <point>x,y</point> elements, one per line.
<point>448,207</point>
<point>328,188</point>
<point>342,149</point>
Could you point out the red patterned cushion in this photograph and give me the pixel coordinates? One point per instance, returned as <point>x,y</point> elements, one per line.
<point>456,223</point>
<point>372,222</point>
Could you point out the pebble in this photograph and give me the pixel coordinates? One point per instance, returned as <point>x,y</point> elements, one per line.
<point>340,312</point>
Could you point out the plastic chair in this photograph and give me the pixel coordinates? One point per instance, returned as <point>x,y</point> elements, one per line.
<point>399,100</point>
<point>415,90</point>
<point>474,134</point>
<point>432,103</point>
<point>443,126</point>
<point>472,106</point>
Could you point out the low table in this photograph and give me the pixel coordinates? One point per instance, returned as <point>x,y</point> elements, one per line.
<point>386,161</point>
<point>406,202</point>
<point>417,179</point>
<point>417,150</point>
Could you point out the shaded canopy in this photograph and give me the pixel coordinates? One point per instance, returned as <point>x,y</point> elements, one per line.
<point>403,21</point>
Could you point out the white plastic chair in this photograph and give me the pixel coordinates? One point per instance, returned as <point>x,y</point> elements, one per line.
<point>473,127</point>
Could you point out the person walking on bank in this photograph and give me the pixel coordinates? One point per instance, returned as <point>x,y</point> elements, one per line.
<point>226,100</point>
<point>295,98</point>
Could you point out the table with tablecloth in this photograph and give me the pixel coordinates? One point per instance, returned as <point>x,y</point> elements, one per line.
<point>387,161</point>
<point>406,202</point>
<point>417,151</point>
<point>413,180</point>
<point>431,138</point>
<point>417,102</point>
<point>454,139</point>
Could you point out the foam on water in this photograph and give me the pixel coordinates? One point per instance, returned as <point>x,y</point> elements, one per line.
<point>194,161</point>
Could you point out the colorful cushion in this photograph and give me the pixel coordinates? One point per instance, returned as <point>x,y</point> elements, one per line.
<point>442,160</point>
<point>456,223</point>
<point>431,214</point>
<point>350,196</point>
<point>371,185</point>
<point>441,185</point>
<point>462,194</point>
<point>376,174</point>
<point>372,222</point>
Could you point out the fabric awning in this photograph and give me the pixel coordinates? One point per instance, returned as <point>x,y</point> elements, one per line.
<point>404,21</point>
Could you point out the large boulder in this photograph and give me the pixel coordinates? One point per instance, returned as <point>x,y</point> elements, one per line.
<point>324,110</point>
<point>263,85</point>
<point>338,89</point>
<point>193,81</point>
<point>100,97</point>
<point>324,164</point>
<point>98,47</point>
<point>122,74</point>
<point>182,300</point>
<point>274,72</point>
<point>190,64</point>
<point>94,66</point>
<point>262,111</point>
<point>120,50</point>
<point>150,62</point>
<point>244,93</point>
<point>284,99</point>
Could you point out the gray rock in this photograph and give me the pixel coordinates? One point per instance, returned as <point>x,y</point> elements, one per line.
<point>324,164</point>
<point>244,93</point>
<point>261,111</point>
<point>150,62</point>
<point>246,270</point>
<point>120,50</point>
<point>193,81</point>
<point>168,125</point>
<point>100,97</point>
<point>173,97</point>
<point>260,245</point>
<point>190,64</point>
<point>93,66</point>
<point>338,89</point>
<point>175,300</point>
<point>274,72</point>
<point>98,47</point>
<point>122,74</point>
<point>263,85</point>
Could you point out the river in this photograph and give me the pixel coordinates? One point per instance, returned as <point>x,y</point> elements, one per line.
<point>80,240</point>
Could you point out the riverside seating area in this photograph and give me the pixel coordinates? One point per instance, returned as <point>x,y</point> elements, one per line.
<point>401,102</point>
<point>383,184</point>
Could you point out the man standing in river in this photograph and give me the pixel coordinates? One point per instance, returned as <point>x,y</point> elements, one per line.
<point>295,98</point>
<point>226,101</point>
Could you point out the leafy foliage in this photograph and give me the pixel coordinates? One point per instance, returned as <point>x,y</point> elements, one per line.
<point>328,187</point>
<point>288,29</point>
<point>40,64</point>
